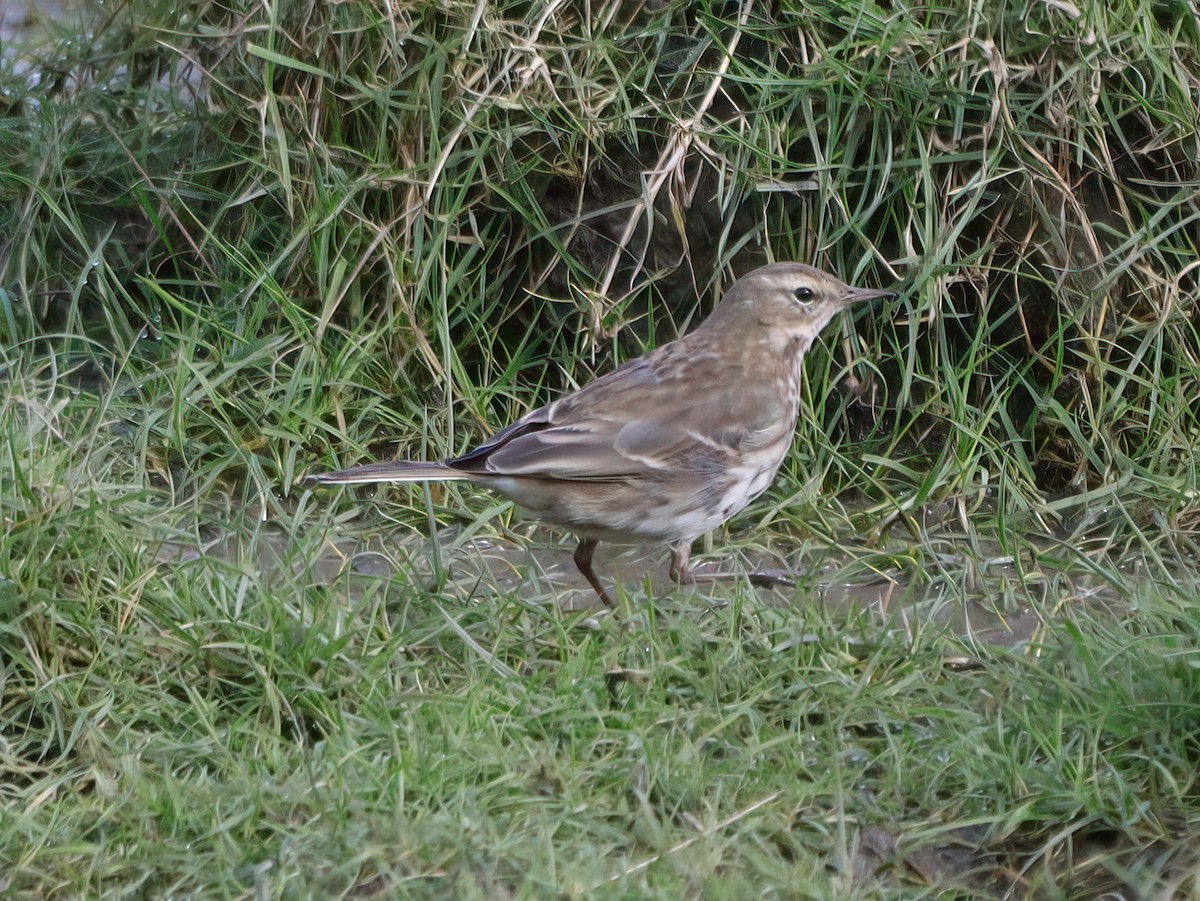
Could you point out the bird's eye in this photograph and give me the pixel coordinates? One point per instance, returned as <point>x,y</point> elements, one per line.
<point>803,294</point>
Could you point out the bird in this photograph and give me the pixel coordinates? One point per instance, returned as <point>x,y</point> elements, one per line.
<point>669,445</point>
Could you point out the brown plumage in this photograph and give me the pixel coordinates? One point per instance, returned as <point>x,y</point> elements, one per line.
<point>671,444</point>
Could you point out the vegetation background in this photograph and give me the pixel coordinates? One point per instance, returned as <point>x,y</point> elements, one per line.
<point>240,241</point>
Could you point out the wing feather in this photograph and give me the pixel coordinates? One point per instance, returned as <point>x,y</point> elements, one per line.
<point>644,420</point>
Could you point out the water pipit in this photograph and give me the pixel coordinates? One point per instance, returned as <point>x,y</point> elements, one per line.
<point>667,446</point>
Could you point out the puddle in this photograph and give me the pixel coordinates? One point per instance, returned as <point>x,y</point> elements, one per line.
<point>993,608</point>
<point>22,20</point>
<point>24,24</point>
<point>67,37</point>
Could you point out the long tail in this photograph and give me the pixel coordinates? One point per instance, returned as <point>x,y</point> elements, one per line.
<point>390,471</point>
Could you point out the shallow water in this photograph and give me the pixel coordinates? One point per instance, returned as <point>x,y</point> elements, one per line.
<point>986,601</point>
<point>24,21</point>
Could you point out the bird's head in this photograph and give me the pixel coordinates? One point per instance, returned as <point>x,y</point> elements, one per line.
<point>791,300</point>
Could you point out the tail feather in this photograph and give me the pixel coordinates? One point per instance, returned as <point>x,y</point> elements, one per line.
<point>390,471</point>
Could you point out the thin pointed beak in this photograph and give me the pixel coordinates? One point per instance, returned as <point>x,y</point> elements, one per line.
<point>857,295</point>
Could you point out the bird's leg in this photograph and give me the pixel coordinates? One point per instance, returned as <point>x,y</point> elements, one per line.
<point>682,572</point>
<point>681,568</point>
<point>583,561</point>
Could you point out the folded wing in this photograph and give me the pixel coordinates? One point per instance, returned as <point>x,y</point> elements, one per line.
<point>633,424</point>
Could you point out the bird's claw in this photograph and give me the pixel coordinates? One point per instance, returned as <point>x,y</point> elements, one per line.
<point>770,578</point>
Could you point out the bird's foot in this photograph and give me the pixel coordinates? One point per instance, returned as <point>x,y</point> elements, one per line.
<point>771,578</point>
<point>762,578</point>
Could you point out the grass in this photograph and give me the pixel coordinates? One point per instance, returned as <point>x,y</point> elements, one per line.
<point>242,242</point>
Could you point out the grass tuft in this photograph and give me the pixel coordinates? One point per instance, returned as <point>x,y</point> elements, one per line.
<point>243,241</point>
